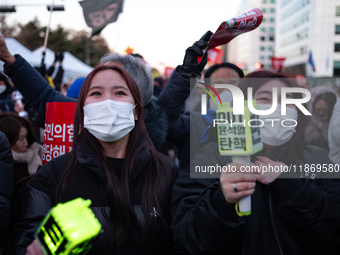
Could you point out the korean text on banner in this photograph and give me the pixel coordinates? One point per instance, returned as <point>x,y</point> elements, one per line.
<point>277,63</point>
<point>231,28</point>
<point>58,135</point>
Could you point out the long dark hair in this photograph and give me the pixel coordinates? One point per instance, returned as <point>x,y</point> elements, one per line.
<point>157,180</point>
<point>256,80</point>
<point>10,125</point>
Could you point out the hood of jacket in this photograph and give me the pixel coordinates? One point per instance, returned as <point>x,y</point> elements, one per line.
<point>317,128</point>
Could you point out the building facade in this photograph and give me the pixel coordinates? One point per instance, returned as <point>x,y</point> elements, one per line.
<point>308,31</point>
<point>255,49</point>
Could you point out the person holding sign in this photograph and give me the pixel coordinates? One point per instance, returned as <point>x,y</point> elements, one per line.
<point>113,163</point>
<point>295,204</point>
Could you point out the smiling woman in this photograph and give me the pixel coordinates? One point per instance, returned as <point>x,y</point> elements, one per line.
<point>26,151</point>
<point>114,164</point>
<point>293,208</point>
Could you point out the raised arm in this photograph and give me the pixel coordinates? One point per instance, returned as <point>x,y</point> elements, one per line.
<point>34,88</point>
<point>173,96</point>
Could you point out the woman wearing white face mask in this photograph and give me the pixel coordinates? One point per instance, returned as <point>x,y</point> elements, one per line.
<point>285,202</point>
<point>292,212</point>
<point>114,163</point>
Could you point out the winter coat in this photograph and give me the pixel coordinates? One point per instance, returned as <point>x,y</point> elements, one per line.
<point>334,134</point>
<point>185,131</point>
<point>298,214</point>
<point>171,100</point>
<point>88,181</point>
<point>6,184</point>
<point>24,166</point>
<point>37,92</point>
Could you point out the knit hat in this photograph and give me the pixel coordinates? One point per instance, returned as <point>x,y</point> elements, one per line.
<point>73,90</point>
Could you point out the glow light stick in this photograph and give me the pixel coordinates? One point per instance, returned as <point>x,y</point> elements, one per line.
<point>68,228</point>
<point>240,137</point>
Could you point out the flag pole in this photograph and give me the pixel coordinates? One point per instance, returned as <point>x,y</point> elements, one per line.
<point>46,38</point>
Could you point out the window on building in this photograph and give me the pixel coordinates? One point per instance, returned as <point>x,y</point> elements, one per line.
<point>338,11</point>
<point>263,20</point>
<point>272,10</point>
<point>262,48</point>
<point>262,38</point>
<point>272,1</point>
<point>264,1</point>
<point>272,20</point>
<point>263,29</point>
<point>271,30</point>
<point>337,29</point>
<point>271,38</point>
<point>262,57</point>
<point>270,57</point>
<point>263,10</point>
<point>270,48</point>
<point>337,47</point>
<point>336,70</point>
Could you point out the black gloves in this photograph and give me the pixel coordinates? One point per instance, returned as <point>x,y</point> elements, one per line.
<point>61,56</point>
<point>191,68</point>
<point>56,56</point>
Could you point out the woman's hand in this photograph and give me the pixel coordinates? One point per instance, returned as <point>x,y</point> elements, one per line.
<point>267,169</point>
<point>34,249</point>
<point>17,107</point>
<point>5,55</point>
<point>237,185</point>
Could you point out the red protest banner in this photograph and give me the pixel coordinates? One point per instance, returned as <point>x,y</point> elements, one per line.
<point>215,55</point>
<point>168,71</point>
<point>231,28</point>
<point>277,63</point>
<point>58,135</point>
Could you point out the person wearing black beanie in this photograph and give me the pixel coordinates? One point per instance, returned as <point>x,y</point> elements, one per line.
<point>223,65</point>
<point>226,73</point>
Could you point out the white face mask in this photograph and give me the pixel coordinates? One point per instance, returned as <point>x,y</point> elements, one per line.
<point>2,88</point>
<point>109,120</point>
<point>273,132</point>
<point>225,96</point>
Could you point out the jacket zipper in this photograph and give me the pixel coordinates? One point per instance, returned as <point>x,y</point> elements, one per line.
<point>274,227</point>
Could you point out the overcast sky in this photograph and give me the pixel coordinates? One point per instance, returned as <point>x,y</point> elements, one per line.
<point>160,30</point>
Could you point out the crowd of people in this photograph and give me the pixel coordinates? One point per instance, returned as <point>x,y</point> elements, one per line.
<point>134,148</point>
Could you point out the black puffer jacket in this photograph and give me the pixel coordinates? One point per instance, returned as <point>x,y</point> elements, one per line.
<point>88,181</point>
<point>171,100</point>
<point>6,184</point>
<point>297,215</point>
